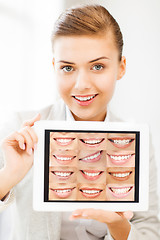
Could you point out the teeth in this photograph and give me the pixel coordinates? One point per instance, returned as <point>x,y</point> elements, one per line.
<point>121,174</point>
<point>121,190</point>
<point>92,141</point>
<point>91,157</point>
<point>91,174</point>
<point>63,140</point>
<point>63,174</point>
<point>63,158</point>
<point>91,191</point>
<point>84,98</point>
<point>63,190</point>
<point>122,142</point>
<point>119,158</point>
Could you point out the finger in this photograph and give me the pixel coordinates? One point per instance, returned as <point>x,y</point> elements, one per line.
<point>28,140</point>
<point>32,134</point>
<point>14,139</point>
<point>90,213</point>
<point>32,121</point>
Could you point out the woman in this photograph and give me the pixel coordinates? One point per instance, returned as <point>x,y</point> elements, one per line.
<point>87,48</point>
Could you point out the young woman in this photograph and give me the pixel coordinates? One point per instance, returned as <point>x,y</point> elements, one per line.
<point>87,47</point>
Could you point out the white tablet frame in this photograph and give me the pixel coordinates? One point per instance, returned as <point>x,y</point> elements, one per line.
<point>38,181</point>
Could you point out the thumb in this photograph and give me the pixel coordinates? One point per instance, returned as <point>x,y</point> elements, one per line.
<point>31,122</point>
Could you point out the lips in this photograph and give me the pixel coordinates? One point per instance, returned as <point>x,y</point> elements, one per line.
<point>90,192</point>
<point>64,141</point>
<point>92,157</point>
<point>64,159</point>
<point>121,142</point>
<point>120,159</point>
<point>120,192</point>
<point>84,100</point>
<point>62,192</point>
<point>92,142</point>
<point>91,174</point>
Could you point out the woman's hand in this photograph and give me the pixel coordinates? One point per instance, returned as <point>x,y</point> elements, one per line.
<point>18,153</point>
<point>117,222</point>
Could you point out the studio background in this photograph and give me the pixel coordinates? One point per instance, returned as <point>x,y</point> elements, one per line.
<point>27,80</point>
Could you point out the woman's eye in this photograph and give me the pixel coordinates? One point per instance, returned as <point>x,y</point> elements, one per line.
<point>97,67</point>
<point>67,69</point>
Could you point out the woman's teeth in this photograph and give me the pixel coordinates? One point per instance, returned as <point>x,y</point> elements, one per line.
<point>90,191</point>
<point>91,157</point>
<point>64,140</point>
<point>63,158</point>
<point>92,142</point>
<point>120,190</point>
<point>119,158</point>
<point>62,174</point>
<point>120,175</point>
<point>62,190</point>
<point>91,174</point>
<point>83,99</point>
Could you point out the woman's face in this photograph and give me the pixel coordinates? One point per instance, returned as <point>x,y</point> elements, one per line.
<point>86,71</point>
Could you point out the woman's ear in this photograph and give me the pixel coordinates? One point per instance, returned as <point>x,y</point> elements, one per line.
<point>122,68</point>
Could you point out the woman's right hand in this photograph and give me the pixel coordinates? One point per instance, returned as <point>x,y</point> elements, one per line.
<point>18,151</point>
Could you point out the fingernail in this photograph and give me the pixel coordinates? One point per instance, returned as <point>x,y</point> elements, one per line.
<point>76,214</point>
<point>35,146</point>
<point>30,151</point>
<point>84,215</point>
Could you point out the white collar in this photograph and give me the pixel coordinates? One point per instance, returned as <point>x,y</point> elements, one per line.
<point>69,116</point>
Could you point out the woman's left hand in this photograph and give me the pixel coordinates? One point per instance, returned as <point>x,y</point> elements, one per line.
<point>117,222</point>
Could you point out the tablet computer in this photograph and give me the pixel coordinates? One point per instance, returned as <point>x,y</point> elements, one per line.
<point>91,165</point>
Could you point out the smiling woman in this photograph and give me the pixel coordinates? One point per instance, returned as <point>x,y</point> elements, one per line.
<point>88,61</point>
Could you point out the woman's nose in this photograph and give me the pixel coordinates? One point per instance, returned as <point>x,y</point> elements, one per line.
<point>83,81</point>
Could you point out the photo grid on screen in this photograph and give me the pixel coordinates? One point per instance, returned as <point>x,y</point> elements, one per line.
<point>91,166</point>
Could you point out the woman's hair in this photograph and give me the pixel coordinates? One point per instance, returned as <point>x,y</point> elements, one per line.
<point>87,20</point>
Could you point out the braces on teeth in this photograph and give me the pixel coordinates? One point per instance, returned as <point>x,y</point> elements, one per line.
<point>119,158</point>
<point>62,191</point>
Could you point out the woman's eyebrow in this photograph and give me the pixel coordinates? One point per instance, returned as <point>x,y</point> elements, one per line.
<point>98,59</point>
<point>62,61</point>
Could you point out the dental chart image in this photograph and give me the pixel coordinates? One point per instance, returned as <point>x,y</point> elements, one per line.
<point>91,166</point>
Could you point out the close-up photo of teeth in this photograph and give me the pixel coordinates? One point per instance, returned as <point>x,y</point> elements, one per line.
<point>115,192</point>
<point>62,191</point>
<point>62,174</point>
<point>60,140</point>
<point>118,174</point>
<point>126,141</point>
<point>63,157</point>
<point>121,158</point>
<point>91,175</point>
<point>92,141</point>
<point>92,158</point>
<point>91,192</point>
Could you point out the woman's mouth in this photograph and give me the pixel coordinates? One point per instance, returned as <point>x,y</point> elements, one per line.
<point>62,175</point>
<point>121,142</point>
<point>90,192</point>
<point>62,192</point>
<point>120,159</point>
<point>92,142</point>
<point>84,100</point>
<point>91,174</point>
<point>120,192</point>
<point>121,176</point>
<point>64,141</point>
<point>64,159</point>
<point>92,158</point>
